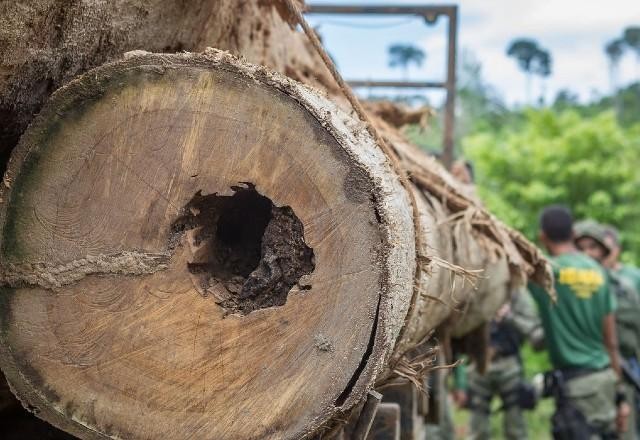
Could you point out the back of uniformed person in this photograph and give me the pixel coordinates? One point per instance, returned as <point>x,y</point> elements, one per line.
<point>579,331</point>
<point>632,274</point>
<point>504,378</point>
<point>592,238</point>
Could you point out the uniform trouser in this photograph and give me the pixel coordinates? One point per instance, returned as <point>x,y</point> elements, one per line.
<point>594,395</point>
<point>502,379</point>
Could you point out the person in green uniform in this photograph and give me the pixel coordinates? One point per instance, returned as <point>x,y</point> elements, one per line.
<point>580,334</point>
<point>595,240</point>
<point>631,273</point>
<point>515,322</point>
<point>612,239</point>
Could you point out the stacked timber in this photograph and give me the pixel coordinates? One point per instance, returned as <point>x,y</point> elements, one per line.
<point>195,245</point>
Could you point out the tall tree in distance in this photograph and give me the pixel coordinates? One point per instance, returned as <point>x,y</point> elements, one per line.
<point>403,55</point>
<point>532,60</point>
<point>631,37</point>
<point>614,50</point>
<point>524,51</point>
<point>542,66</point>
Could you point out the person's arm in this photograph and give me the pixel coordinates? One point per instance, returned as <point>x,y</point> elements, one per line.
<point>524,318</point>
<point>534,333</point>
<point>611,342</point>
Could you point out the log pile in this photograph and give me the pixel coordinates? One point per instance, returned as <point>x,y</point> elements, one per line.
<point>197,245</point>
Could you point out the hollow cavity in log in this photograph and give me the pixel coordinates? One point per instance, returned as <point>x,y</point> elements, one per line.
<point>246,252</point>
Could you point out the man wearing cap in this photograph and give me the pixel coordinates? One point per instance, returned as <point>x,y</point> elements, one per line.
<point>580,336</point>
<point>612,239</point>
<point>594,240</point>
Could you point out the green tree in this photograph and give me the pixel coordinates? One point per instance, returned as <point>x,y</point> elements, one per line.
<point>587,163</point>
<point>614,50</point>
<point>403,55</point>
<point>626,102</point>
<point>478,104</point>
<point>532,60</point>
<point>478,108</point>
<point>565,99</point>
<point>524,52</point>
<point>542,66</point>
<point>631,36</point>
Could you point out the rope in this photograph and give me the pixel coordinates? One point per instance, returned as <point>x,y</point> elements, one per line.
<point>391,154</point>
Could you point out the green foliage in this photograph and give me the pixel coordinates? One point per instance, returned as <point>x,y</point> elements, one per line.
<point>534,362</point>
<point>588,163</point>
<point>538,421</point>
<point>631,37</point>
<point>626,103</point>
<point>614,50</point>
<point>478,108</point>
<point>524,50</point>
<point>531,58</point>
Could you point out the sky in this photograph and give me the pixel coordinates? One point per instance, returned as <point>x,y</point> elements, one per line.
<point>574,31</point>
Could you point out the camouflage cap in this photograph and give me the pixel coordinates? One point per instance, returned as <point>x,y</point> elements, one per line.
<point>613,233</point>
<point>592,229</point>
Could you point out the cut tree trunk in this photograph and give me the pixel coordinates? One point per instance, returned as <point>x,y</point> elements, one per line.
<point>198,248</point>
<point>44,44</point>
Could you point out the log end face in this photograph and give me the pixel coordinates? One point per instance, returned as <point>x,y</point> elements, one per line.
<point>216,339</point>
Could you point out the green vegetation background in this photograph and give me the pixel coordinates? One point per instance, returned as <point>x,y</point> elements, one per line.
<point>586,156</point>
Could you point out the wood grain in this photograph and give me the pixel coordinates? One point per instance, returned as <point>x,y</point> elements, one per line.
<point>106,168</point>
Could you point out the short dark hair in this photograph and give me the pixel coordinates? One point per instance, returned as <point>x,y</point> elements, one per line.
<point>556,222</point>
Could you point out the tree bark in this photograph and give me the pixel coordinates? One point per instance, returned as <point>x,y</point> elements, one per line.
<point>195,246</point>
<point>46,43</point>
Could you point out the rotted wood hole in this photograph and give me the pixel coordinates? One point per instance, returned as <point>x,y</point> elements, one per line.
<point>245,252</point>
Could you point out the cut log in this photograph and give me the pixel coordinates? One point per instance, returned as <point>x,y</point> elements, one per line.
<point>193,247</point>
<point>44,44</point>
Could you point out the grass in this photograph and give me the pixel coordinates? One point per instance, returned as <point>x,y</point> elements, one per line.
<point>538,421</point>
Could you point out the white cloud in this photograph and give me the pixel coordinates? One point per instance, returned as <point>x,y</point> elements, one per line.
<point>575,31</point>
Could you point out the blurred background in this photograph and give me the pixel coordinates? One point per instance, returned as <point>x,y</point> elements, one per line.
<point>547,98</point>
<point>547,109</point>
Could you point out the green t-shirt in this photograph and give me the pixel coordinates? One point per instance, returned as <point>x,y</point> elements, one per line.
<point>573,325</point>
